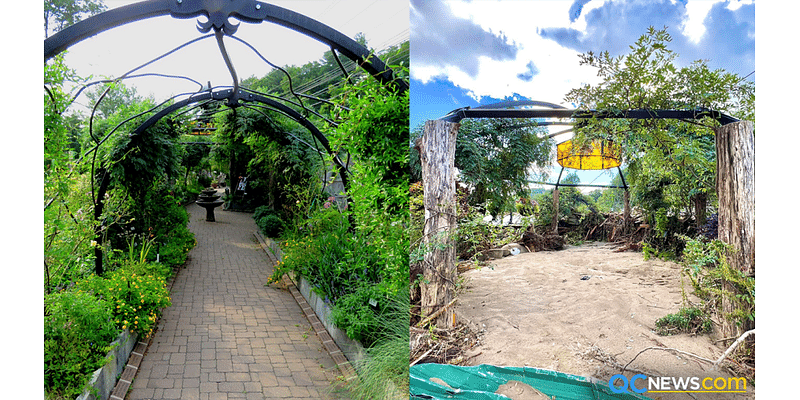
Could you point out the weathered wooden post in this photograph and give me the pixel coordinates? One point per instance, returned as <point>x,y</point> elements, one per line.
<point>437,149</point>
<point>735,145</point>
<point>626,211</point>
<point>555,211</point>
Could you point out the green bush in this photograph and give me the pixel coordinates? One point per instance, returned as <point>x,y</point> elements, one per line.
<point>686,320</point>
<point>357,312</point>
<point>78,329</point>
<point>714,280</point>
<point>262,211</point>
<point>270,225</point>
<point>387,359</point>
<point>136,299</point>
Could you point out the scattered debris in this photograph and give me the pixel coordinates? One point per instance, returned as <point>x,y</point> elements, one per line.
<point>441,346</point>
<point>537,242</point>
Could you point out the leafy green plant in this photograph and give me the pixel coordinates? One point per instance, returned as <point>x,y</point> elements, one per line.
<point>136,300</point>
<point>686,320</point>
<point>262,211</point>
<point>270,225</point>
<point>357,313</point>
<point>387,358</point>
<point>714,279</point>
<point>78,329</point>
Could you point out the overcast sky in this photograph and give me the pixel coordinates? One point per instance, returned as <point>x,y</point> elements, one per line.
<point>467,53</point>
<point>114,52</point>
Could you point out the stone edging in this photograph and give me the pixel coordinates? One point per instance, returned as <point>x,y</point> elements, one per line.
<point>105,377</point>
<point>346,369</point>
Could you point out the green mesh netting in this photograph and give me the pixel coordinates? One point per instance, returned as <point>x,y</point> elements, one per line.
<point>482,381</point>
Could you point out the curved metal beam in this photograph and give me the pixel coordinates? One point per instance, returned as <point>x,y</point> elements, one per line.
<point>247,97</point>
<point>461,113</point>
<point>218,12</point>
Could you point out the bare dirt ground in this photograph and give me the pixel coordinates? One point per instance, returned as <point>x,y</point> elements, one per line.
<point>533,309</point>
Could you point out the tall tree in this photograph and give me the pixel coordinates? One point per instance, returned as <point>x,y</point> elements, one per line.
<point>59,14</point>
<point>496,157</point>
<point>671,163</point>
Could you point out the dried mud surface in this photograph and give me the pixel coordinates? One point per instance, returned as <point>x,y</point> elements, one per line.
<point>534,309</point>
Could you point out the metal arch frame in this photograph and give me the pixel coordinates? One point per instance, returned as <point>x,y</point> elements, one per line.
<point>506,110</point>
<point>218,12</point>
<point>246,97</point>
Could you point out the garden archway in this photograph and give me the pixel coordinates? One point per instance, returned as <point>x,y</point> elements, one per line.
<point>437,154</point>
<point>218,23</point>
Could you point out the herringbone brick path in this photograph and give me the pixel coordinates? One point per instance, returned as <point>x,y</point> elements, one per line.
<point>227,335</point>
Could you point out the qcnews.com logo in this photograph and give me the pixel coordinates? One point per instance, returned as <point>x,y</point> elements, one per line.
<point>640,383</point>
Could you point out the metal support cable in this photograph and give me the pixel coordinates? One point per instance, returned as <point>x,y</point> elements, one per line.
<point>86,86</point>
<point>339,62</point>
<point>289,77</point>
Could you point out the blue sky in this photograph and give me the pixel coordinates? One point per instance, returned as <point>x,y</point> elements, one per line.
<point>466,53</point>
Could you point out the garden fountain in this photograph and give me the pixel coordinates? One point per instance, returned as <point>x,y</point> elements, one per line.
<point>209,199</point>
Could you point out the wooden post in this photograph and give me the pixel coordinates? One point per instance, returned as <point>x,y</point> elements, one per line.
<point>735,145</point>
<point>626,212</point>
<point>437,149</point>
<point>555,211</point>
<point>700,202</point>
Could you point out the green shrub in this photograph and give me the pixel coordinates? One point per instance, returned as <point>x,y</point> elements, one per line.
<point>686,320</point>
<point>387,359</point>
<point>714,280</point>
<point>356,313</point>
<point>136,300</point>
<point>261,212</point>
<point>270,225</point>
<point>78,329</point>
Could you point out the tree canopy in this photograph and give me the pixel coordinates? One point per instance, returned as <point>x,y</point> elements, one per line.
<point>495,158</point>
<point>671,163</point>
<point>59,14</point>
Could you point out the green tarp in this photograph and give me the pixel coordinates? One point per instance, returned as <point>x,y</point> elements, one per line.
<point>482,381</point>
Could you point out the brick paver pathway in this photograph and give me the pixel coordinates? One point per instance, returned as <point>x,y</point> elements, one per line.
<point>227,335</point>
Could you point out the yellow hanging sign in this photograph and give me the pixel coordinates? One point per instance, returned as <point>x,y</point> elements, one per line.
<point>599,154</point>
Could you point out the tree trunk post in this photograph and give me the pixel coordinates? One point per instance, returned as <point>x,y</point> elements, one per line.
<point>555,211</point>
<point>437,149</point>
<point>626,212</point>
<point>735,146</point>
<point>700,201</point>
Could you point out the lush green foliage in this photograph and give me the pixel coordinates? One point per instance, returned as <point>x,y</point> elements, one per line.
<point>78,329</point>
<point>164,221</point>
<point>107,197</point>
<point>270,225</point>
<point>686,320</point>
<point>270,150</point>
<point>495,158</point>
<point>387,360</point>
<point>713,279</point>
<point>671,164</point>
<point>136,299</point>
<point>356,255</point>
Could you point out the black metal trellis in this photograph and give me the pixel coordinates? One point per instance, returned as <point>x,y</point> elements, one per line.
<point>509,109</point>
<point>502,111</point>
<point>218,13</point>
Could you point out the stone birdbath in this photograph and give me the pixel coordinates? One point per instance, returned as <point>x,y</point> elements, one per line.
<point>209,199</point>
